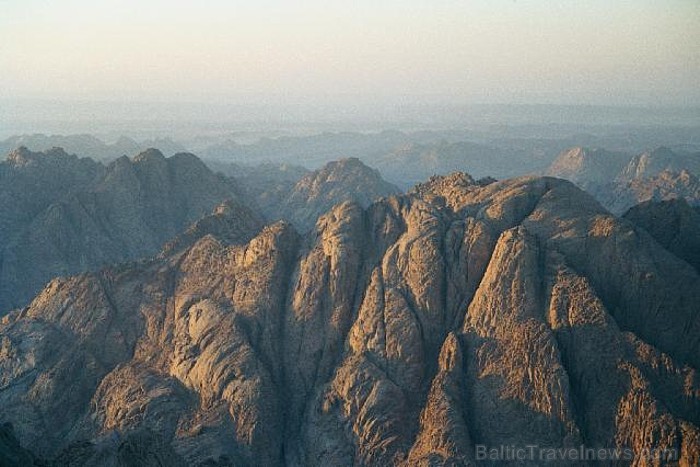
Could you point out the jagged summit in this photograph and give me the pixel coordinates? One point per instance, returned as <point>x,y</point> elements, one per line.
<point>336,182</point>
<point>88,145</point>
<point>651,163</point>
<point>404,333</point>
<point>149,155</point>
<point>620,181</point>
<point>349,169</point>
<point>455,179</point>
<point>22,156</point>
<point>231,222</point>
<point>85,215</point>
<point>587,167</point>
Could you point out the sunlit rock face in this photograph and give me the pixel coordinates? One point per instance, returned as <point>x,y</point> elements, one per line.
<point>318,191</point>
<point>407,332</point>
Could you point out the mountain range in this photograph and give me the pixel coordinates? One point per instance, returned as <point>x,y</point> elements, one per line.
<point>165,314</point>
<point>88,145</point>
<point>61,215</point>
<point>620,181</point>
<point>406,330</point>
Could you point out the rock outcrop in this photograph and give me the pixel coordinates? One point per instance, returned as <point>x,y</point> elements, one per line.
<point>60,215</point>
<point>674,224</point>
<point>650,163</point>
<point>663,186</point>
<point>620,181</point>
<point>409,332</point>
<point>317,192</point>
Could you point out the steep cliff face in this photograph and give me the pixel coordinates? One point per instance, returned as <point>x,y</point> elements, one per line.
<point>405,333</point>
<point>98,215</point>
<point>320,190</point>
<point>31,181</point>
<point>674,224</point>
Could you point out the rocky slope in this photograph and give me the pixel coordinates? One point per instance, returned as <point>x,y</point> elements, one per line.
<point>318,191</point>
<point>31,181</point>
<point>674,224</point>
<point>267,185</point>
<point>650,163</point>
<point>62,215</point>
<point>666,185</point>
<point>620,181</point>
<point>405,333</point>
<point>588,168</point>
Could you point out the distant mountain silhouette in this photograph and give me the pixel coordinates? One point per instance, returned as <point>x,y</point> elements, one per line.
<point>620,181</point>
<point>88,145</point>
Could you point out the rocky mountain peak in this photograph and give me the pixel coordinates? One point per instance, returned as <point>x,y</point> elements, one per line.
<point>649,163</point>
<point>230,222</point>
<point>586,166</point>
<point>21,156</point>
<point>149,155</point>
<point>349,162</point>
<point>336,182</point>
<point>438,183</point>
<point>85,215</point>
<point>404,333</point>
<point>350,168</point>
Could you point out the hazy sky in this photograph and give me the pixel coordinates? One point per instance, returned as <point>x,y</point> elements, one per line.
<point>532,51</point>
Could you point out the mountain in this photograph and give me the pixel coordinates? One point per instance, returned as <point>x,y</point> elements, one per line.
<point>411,163</point>
<point>517,312</point>
<point>674,224</point>
<point>588,168</point>
<point>230,222</point>
<point>86,215</point>
<point>300,196</point>
<point>651,163</point>
<point>30,181</point>
<point>318,191</point>
<point>620,181</point>
<point>267,183</point>
<point>404,159</point>
<point>88,145</point>
<point>77,215</point>
<point>665,185</point>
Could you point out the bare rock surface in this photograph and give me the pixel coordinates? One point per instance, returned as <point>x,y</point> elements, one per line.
<point>318,191</point>
<point>674,224</point>
<point>60,215</point>
<point>406,332</point>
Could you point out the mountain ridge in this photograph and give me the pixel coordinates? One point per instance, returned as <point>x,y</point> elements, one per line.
<point>122,211</point>
<point>620,181</point>
<point>406,332</point>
